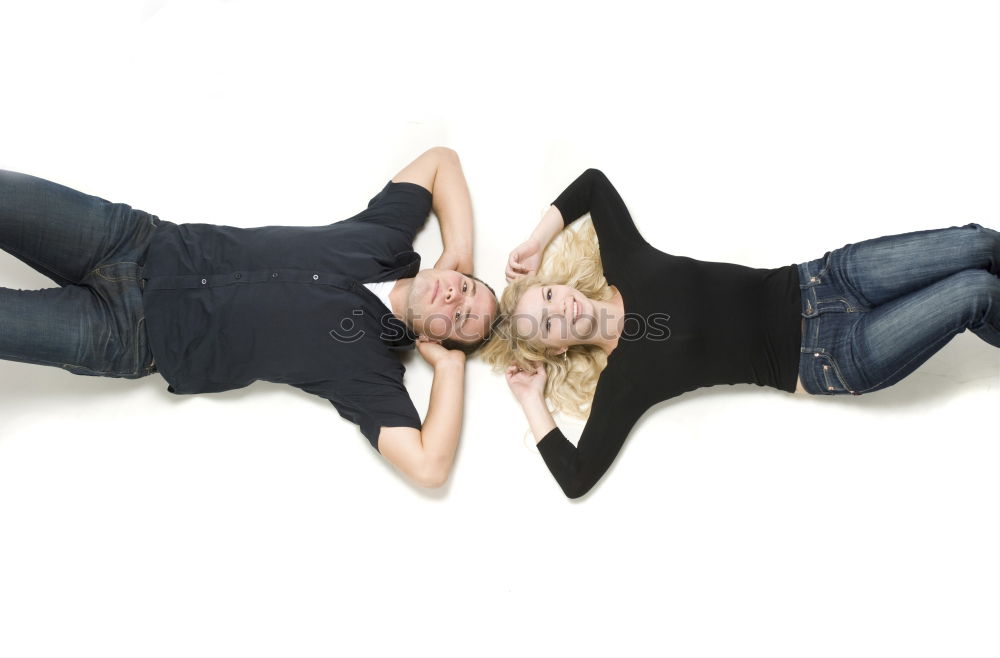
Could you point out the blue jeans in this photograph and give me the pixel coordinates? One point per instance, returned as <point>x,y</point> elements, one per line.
<point>92,324</point>
<point>875,310</point>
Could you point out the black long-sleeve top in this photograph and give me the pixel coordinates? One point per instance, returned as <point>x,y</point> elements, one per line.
<point>689,324</point>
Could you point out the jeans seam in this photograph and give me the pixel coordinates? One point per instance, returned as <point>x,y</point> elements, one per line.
<point>59,364</point>
<point>38,264</point>
<point>96,271</point>
<point>138,365</point>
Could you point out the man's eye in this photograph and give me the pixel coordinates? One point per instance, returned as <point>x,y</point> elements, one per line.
<point>465,286</point>
<point>458,316</point>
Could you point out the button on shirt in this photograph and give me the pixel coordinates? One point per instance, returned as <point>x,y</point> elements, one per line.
<point>227,306</point>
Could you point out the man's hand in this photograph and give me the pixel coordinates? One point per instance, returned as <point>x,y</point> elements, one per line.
<point>524,260</point>
<point>450,260</point>
<point>435,354</point>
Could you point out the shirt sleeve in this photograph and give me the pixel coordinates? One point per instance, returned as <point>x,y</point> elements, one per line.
<point>403,206</point>
<point>592,192</point>
<point>614,412</point>
<point>371,402</point>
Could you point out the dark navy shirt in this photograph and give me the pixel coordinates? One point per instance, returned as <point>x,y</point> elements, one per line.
<point>227,306</point>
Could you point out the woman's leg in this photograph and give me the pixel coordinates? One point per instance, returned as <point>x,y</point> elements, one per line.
<point>888,342</point>
<point>65,234</point>
<point>880,270</point>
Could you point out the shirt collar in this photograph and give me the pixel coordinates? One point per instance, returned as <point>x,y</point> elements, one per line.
<point>395,334</point>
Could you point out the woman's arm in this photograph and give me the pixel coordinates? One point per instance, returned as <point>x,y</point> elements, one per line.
<point>591,192</point>
<point>527,256</point>
<point>577,468</point>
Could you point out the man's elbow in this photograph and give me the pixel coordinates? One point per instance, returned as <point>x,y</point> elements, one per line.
<point>444,154</point>
<point>434,471</point>
<point>432,477</point>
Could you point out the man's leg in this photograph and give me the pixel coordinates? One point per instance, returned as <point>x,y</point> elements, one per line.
<point>55,326</point>
<point>94,323</point>
<point>65,234</point>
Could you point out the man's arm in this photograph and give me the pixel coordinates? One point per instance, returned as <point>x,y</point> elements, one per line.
<point>427,455</point>
<point>440,172</point>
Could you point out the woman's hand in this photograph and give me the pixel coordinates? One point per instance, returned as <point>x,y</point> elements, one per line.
<point>526,385</point>
<point>524,260</point>
<point>527,257</point>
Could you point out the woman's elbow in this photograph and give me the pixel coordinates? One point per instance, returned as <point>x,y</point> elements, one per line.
<point>574,490</point>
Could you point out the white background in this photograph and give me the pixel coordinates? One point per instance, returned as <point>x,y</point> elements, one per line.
<point>738,521</point>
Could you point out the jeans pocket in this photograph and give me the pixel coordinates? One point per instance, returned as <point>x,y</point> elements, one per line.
<point>144,362</point>
<point>123,350</point>
<point>830,375</point>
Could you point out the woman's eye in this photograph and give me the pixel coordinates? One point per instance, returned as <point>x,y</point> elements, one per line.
<point>548,295</point>
<point>548,325</point>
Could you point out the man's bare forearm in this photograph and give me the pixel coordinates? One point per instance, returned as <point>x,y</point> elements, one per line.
<point>443,424</point>
<point>453,206</point>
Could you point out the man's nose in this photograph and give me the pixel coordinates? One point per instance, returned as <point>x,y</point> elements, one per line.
<point>452,294</point>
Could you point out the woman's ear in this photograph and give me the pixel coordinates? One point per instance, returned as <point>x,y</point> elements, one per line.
<point>560,351</point>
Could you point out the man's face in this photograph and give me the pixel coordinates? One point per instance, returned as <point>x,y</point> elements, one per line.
<point>445,304</point>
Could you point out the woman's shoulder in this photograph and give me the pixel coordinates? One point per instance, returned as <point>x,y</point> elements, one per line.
<point>636,374</point>
<point>619,375</point>
<point>618,396</point>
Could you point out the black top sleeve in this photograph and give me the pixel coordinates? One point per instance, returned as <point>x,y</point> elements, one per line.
<point>592,192</point>
<point>614,412</point>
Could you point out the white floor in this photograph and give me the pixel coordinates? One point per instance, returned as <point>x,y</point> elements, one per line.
<point>736,522</point>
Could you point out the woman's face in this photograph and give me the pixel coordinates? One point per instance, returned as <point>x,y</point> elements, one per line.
<point>555,317</point>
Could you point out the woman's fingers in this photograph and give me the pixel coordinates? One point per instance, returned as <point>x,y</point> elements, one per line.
<point>515,267</point>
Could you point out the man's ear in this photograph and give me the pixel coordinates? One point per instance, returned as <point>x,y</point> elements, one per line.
<point>422,338</point>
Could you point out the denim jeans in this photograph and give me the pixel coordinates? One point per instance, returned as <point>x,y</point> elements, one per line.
<point>92,324</point>
<point>875,310</point>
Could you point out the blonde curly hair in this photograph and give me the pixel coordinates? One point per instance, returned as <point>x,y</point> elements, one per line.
<point>573,259</point>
